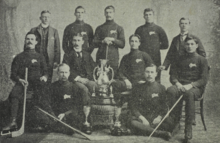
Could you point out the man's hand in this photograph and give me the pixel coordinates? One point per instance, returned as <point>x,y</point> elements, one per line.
<point>188,86</point>
<point>157,120</point>
<point>23,82</point>
<point>128,84</point>
<point>144,120</point>
<point>43,78</point>
<point>180,87</point>
<point>61,116</point>
<point>161,68</point>
<point>108,40</point>
<point>83,80</point>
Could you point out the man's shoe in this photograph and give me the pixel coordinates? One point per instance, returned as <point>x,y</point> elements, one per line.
<point>194,122</point>
<point>87,129</point>
<point>12,126</point>
<point>116,131</point>
<point>163,134</point>
<point>188,132</point>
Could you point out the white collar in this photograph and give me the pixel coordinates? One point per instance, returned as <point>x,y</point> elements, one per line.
<point>44,25</point>
<point>183,34</point>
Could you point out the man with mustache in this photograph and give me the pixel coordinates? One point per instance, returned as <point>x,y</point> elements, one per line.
<point>177,47</point>
<point>37,78</point>
<point>189,76</point>
<point>108,38</point>
<point>153,38</point>
<point>148,107</point>
<point>81,67</point>
<point>48,42</point>
<point>79,26</point>
<point>68,101</point>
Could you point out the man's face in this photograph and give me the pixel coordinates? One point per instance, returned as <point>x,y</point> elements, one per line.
<point>64,73</point>
<point>77,43</point>
<point>191,46</point>
<point>45,18</point>
<point>80,12</point>
<point>30,41</point>
<point>149,16</point>
<point>184,25</point>
<point>134,43</point>
<point>150,74</point>
<point>109,14</point>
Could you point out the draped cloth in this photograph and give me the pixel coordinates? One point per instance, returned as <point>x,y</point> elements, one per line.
<point>8,44</point>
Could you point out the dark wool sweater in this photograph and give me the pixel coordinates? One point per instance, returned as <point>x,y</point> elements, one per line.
<point>190,69</point>
<point>109,29</point>
<point>78,27</point>
<point>64,95</point>
<point>153,38</point>
<point>35,63</point>
<point>133,65</point>
<point>149,100</point>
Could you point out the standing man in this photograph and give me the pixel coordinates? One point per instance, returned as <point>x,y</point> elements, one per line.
<point>189,75</point>
<point>153,38</point>
<point>79,26</point>
<point>148,107</point>
<point>48,42</point>
<point>37,77</point>
<point>108,38</point>
<point>81,65</point>
<point>177,47</point>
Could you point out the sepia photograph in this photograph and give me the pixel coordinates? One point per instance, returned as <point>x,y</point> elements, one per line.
<point>109,71</point>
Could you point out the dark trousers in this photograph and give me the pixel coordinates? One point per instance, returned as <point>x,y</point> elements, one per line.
<point>189,97</point>
<point>140,129</point>
<point>40,98</point>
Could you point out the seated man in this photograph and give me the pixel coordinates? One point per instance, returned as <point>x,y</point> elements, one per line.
<point>81,65</point>
<point>68,100</point>
<point>132,66</point>
<point>148,107</point>
<point>37,77</point>
<point>189,76</point>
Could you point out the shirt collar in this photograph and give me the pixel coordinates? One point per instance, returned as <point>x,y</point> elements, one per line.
<point>183,34</point>
<point>44,25</point>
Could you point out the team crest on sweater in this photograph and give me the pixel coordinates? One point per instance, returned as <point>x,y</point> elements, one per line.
<point>154,95</point>
<point>152,32</point>
<point>113,32</point>
<point>138,60</point>
<point>192,65</point>
<point>34,61</point>
<point>66,96</point>
<point>83,33</point>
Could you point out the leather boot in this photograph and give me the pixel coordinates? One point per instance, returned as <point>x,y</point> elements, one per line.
<point>12,126</point>
<point>188,132</point>
<point>163,134</point>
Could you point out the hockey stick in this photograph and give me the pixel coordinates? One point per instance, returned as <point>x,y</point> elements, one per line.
<point>165,117</point>
<point>89,137</point>
<point>21,130</point>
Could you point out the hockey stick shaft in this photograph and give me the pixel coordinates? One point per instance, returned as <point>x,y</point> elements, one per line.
<point>78,131</point>
<point>165,117</point>
<point>21,130</point>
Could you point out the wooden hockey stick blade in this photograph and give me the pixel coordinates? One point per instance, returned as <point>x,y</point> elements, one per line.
<point>89,137</point>
<point>165,117</point>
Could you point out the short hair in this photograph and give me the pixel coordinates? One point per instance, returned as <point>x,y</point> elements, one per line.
<point>148,9</point>
<point>110,7</point>
<point>77,34</point>
<point>135,35</point>
<point>62,65</point>
<point>184,18</point>
<point>78,7</point>
<point>192,38</point>
<point>45,11</point>
<point>33,34</point>
<point>152,65</point>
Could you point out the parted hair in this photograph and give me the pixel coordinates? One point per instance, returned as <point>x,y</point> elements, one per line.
<point>31,33</point>
<point>152,65</point>
<point>110,7</point>
<point>45,11</point>
<point>77,34</point>
<point>191,38</point>
<point>135,35</point>
<point>184,18</point>
<point>78,7</point>
<point>148,9</point>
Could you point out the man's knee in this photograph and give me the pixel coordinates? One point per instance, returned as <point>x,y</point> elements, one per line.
<point>172,90</point>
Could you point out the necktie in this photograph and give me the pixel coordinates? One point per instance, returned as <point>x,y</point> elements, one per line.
<point>79,54</point>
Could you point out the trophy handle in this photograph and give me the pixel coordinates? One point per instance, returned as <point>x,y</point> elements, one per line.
<point>112,74</point>
<point>94,73</point>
